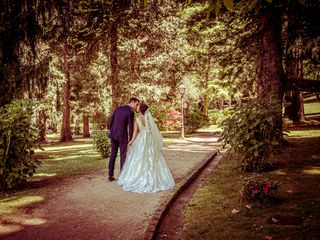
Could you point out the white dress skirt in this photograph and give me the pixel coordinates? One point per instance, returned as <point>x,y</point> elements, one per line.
<point>145,169</point>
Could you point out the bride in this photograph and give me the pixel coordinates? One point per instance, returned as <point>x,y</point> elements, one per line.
<point>145,169</point>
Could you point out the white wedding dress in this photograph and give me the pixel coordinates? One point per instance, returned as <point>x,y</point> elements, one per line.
<point>145,169</point>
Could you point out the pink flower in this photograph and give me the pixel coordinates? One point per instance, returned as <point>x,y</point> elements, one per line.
<point>266,190</point>
<point>268,184</point>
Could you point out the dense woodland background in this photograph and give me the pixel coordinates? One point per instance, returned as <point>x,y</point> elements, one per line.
<point>78,60</point>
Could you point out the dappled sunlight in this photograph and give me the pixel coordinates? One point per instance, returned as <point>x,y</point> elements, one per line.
<point>315,157</point>
<point>279,172</point>
<point>71,158</point>
<point>196,147</point>
<point>6,229</point>
<point>20,201</point>
<point>68,147</point>
<point>38,177</point>
<point>206,139</point>
<point>25,219</point>
<point>44,174</point>
<point>65,157</point>
<point>12,214</point>
<point>312,170</point>
<point>69,150</point>
<point>304,133</point>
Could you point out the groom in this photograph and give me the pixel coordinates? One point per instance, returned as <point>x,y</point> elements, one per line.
<point>121,129</point>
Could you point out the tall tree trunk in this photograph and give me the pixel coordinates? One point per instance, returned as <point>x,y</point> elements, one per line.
<point>133,63</point>
<point>86,129</point>
<point>43,125</point>
<point>271,72</point>
<point>294,69</point>
<point>114,64</point>
<point>66,134</point>
<point>205,105</point>
<point>205,86</point>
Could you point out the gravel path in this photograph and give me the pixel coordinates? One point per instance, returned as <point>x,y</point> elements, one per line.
<point>89,207</point>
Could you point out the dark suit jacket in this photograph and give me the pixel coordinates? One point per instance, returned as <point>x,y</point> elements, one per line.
<point>121,124</point>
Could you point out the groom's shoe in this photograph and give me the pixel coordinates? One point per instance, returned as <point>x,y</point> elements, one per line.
<point>111,178</point>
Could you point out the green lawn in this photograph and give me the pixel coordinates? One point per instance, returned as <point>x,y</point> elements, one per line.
<point>209,213</point>
<point>63,160</point>
<point>311,106</point>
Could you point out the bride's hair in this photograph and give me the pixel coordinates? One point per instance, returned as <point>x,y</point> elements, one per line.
<point>143,108</point>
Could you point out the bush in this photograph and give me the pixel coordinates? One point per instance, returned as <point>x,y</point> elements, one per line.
<point>101,142</point>
<point>217,116</point>
<point>168,119</point>
<point>17,143</point>
<point>251,133</point>
<point>194,121</point>
<point>256,191</point>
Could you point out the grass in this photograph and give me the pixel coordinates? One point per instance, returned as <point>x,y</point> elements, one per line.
<point>312,106</point>
<point>72,159</point>
<point>209,213</point>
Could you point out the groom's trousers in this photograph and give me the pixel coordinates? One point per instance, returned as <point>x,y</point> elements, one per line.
<point>115,145</point>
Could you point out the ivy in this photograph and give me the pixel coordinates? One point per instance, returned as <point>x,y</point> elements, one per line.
<point>17,143</point>
<point>250,130</point>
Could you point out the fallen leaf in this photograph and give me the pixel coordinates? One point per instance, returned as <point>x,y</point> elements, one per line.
<point>234,211</point>
<point>248,206</point>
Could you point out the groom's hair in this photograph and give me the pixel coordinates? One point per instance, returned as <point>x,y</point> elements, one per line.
<point>133,99</point>
<point>143,108</point>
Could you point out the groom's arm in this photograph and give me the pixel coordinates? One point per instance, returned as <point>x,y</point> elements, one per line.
<point>135,133</point>
<point>111,120</point>
<point>131,119</point>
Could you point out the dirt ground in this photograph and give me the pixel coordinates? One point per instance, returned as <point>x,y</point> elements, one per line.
<point>89,207</point>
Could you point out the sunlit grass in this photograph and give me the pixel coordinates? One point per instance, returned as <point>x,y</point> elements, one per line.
<point>70,160</point>
<point>304,132</point>
<point>19,201</point>
<point>209,213</point>
<point>312,106</point>
<point>313,170</point>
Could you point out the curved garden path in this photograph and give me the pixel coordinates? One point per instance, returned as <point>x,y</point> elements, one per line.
<point>89,207</point>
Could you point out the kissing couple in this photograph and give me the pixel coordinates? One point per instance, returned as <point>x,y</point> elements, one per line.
<point>143,168</point>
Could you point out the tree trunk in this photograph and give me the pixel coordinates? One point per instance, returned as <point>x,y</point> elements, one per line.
<point>205,105</point>
<point>294,70</point>
<point>271,72</point>
<point>221,103</point>
<point>86,129</point>
<point>43,125</point>
<point>114,64</point>
<point>66,134</point>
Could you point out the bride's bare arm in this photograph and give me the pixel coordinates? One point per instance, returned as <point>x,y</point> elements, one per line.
<point>135,132</point>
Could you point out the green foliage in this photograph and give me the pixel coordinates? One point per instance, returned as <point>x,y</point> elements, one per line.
<point>195,120</point>
<point>217,116</point>
<point>165,116</point>
<point>102,143</point>
<point>17,143</point>
<point>257,191</point>
<point>251,132</point>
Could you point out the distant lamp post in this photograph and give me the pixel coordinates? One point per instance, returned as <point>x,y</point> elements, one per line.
<point>182,90</point>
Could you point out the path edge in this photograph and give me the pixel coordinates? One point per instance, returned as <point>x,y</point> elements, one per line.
<point>158,216</point>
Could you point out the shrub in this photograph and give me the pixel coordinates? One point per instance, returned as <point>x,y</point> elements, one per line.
<point>166,118</point>
<point>251,134</point>
<point>101,142</point>
<point>257,191</point>
<point>217,116</point>
<point>194,121</point>
<point>17,143</point>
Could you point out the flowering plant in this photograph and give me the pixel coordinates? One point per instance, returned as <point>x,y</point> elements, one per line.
<point>258,191</point>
